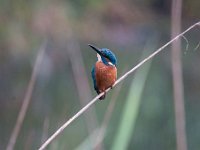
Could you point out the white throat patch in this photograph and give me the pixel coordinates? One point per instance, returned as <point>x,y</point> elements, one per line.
<point>111,64</point>
<point>99,57</point>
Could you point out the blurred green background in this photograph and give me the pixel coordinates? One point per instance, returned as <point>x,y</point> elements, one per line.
<point>63,82</point>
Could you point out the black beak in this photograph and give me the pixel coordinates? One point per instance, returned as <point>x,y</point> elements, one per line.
<point>97,50</point>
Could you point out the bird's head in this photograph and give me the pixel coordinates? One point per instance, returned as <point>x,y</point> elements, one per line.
<point>105,55</point>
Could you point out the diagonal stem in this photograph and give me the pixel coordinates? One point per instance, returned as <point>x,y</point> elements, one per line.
<point>59,131</point>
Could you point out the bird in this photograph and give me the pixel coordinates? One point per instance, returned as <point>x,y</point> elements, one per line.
<point>104,72</point>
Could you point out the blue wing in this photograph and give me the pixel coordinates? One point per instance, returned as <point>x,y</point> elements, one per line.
<point>94,79</point>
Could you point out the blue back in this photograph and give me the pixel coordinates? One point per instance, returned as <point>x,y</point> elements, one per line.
<point>112,58</point>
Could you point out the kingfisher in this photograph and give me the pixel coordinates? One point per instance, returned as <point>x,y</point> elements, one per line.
<point>104,73</point>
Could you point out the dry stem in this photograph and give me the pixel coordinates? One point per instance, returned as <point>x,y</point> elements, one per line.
<point>178,86</point>
<point>59,131</point>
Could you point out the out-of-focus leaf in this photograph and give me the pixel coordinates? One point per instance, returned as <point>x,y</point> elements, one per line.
<point>132,105</point>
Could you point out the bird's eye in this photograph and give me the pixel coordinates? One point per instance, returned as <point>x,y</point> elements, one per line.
<point>107,60</point>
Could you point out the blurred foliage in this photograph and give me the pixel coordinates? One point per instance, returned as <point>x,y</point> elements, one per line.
<point>132,104</point>
<point>123,26</point>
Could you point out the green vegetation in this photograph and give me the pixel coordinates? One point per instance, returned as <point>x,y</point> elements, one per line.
<point>125,27</point>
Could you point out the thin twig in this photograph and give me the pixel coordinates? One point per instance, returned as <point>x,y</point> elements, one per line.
<point>119,80</point>
<point>98,134</point>
<point>81,80</point>
<point>187,43</point>
<point>101,132</point>
<point>198,45</point>
<point>27,98</point>
<point>70,121</point>
<point>82,83</point>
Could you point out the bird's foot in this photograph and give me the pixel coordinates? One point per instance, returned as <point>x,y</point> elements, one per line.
<point>103,96</point>
<point>111,87</point>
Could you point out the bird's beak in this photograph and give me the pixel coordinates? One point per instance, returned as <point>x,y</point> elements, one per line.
<point>97,50</point>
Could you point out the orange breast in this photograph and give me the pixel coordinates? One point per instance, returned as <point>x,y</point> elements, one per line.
<point>105,76</point>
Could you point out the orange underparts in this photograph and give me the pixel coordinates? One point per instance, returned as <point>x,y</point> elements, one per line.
<point>106,76</point>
